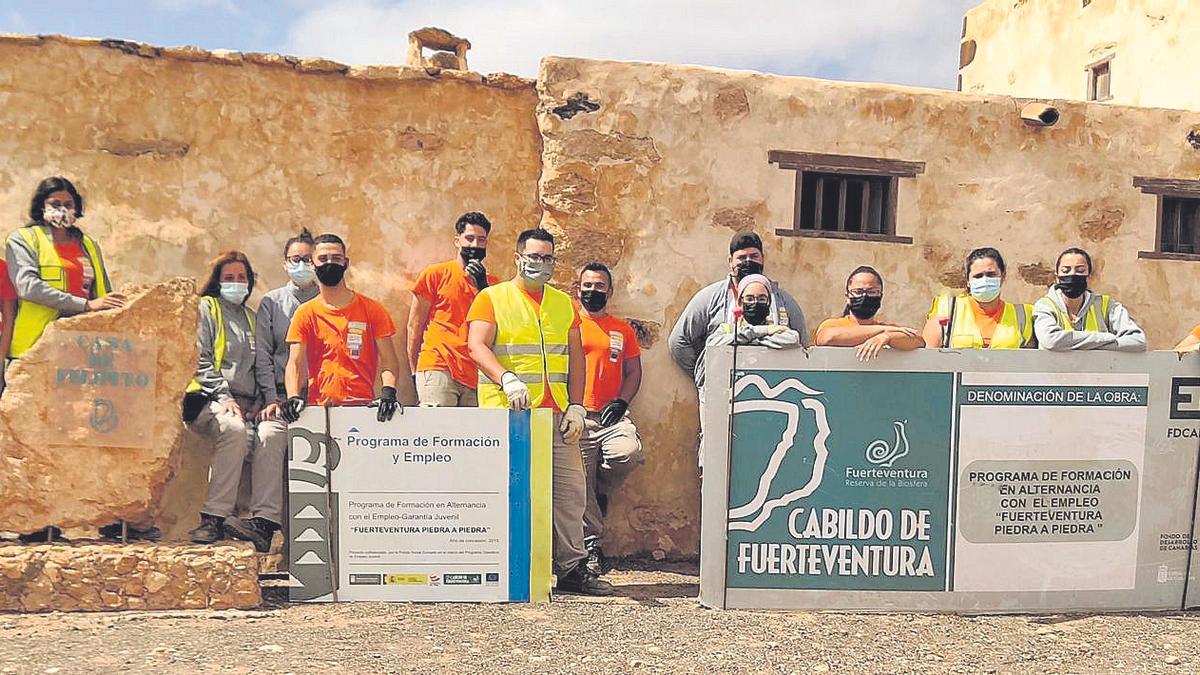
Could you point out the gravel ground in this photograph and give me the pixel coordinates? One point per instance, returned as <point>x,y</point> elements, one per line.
<point>656,626</point>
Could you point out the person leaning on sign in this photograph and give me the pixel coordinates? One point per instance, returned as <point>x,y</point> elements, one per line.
<point>223,400</point>
<point>610,444</point>
<point>523,335</point>
<point>754,323</point>
<point>57,270</point>
<point>445,375</point>
<point>980,319</point>
<point>340,342</point>
<point>1072,317</point>
<point>858,327</point>
<point>271,321</point>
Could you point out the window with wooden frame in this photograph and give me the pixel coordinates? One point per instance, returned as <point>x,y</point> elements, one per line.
<point>843,196</point>
<point>1177,223</point>
<point>1100,80</point>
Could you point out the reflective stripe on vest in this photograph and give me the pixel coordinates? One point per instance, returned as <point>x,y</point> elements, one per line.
<point>1096,322</point>
<point>33,318</point>
<point>531,342</point>
<point>1014,330</point>
<point>219,344</point>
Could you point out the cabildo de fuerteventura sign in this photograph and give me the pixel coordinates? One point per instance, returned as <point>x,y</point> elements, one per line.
<point>959,480</point>
<point>439,504</point>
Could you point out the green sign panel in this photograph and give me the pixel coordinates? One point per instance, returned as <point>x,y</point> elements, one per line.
<point>840,480</point>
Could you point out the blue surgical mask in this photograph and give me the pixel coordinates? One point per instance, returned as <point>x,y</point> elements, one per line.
<point>985,289</point>
<point>234,291</point>
<point>301,273</point>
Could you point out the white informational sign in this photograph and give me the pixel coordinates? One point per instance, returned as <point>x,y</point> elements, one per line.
<point>430,506</point>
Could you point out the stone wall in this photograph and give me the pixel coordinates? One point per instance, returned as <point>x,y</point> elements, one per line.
<point>1041,48</point>
<point>104,577</point>
<point>673,159</point>
<point>649,168</point>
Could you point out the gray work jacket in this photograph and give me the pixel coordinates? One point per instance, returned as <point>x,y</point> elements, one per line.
<point>273,319</point>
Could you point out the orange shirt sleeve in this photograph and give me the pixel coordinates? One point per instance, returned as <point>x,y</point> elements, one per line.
<point>482,309</point>
<point>382,321</point>
<point>298,328</point>
<point>1196,331</point>
<point>426,284</point>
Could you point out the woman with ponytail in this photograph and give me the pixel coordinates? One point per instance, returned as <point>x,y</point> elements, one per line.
<point>858,327</point>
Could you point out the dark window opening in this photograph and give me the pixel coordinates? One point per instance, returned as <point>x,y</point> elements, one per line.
<point>1100,81</point>
<point>845,197</point>
<point>1177,226</point>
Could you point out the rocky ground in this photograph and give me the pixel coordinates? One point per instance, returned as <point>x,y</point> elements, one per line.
<point>655,626</point>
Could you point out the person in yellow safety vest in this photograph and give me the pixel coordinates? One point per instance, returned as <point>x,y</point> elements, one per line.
<point>1072,317</point>
<point>225,397</point>
<point>980,319</point>
<point>523,335</point>
<point>57,270</point>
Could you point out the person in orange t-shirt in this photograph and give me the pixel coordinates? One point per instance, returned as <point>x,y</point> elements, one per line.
<point>444,374</point>
<point>340,340</point>
<point>610,444</point>
<point>858,327</point>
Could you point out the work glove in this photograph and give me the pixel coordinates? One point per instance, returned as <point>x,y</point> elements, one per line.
<point>478,274</point>
<point>613,412</point>
<point>292,408</point>
<point>572,423</point>
<point>387,404</point>
<point>515,390</point>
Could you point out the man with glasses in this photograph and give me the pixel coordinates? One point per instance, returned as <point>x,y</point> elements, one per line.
<point>523,334</point>
<point>444,373</point>
<point>340,340</point>
<point>716,303</point>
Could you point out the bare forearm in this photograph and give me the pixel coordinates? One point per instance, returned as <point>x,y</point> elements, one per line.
<point>847,336</point>
<point>418,319</point>
<point>388,362</point>
<point>905,342</point>
<point>631,379</point>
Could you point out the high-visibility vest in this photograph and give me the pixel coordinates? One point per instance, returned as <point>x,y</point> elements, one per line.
<point>531,342</point>
<point>1096,322</point>
<point>33,318</point>
<point>219,346</point>
<point>1014,330</point>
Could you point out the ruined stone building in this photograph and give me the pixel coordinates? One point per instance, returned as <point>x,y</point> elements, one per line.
<point>1127,52</point>
<point>650,168</point>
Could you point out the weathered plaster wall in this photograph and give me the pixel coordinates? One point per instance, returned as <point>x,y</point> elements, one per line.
<point>1041,48</point>
<point>673,159</point>
<point>181,154</point>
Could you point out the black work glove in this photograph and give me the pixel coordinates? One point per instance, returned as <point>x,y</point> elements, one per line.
<point>478,274</point>
<point>387,404</point>
<point>613,412</point>
<point>292,408</point>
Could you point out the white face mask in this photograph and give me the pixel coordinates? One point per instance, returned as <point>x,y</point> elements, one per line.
<point>58,216</point>
<point>301,273</point>
<point>234,291</point>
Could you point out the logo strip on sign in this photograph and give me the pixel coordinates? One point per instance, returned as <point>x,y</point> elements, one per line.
<point>518,507</point>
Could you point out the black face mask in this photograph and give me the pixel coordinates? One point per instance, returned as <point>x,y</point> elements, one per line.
<point>330,274</point>
<point>593,301</point>
<point>470,253</point>
<point>1072,285</point>
<point>746,268</point>
<point>865,306</point>
<point>755,313</point>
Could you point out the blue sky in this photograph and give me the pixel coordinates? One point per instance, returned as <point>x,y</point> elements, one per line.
<point>900,41</point>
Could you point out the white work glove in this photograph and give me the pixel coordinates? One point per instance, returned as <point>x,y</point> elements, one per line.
<point>572,423</point>
<point>515,390</point>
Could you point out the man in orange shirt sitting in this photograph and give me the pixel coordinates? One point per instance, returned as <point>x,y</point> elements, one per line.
<point>445,375</point>
<point>340,340</point>
<point>610,443</point>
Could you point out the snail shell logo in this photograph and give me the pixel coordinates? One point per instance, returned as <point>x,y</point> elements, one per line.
<point>884,455</point>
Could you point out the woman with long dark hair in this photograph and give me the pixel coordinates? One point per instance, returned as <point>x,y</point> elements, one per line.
<point>223,400</point>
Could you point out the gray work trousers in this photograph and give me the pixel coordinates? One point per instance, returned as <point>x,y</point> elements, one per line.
<point>435,388</point>
<point>609,455</point>
<point>233,441</point>
<point>569,502</point>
